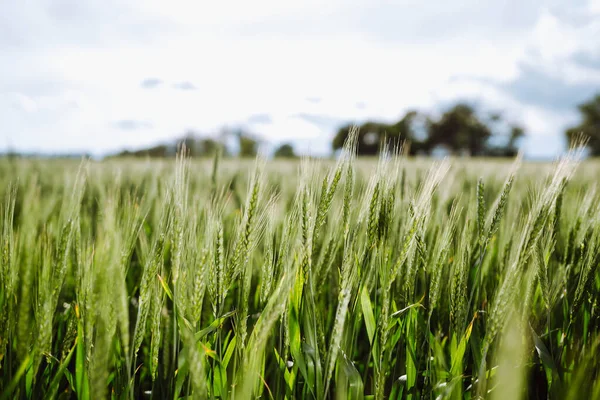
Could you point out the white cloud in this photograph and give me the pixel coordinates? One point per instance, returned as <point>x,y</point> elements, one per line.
<point>24,103</point>
<point>75,68</point>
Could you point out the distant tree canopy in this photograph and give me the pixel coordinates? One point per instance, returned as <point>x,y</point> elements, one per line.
<point>247,143</point>
<point>589,126</point>
<point>160,151</point>
<point>197,146</point>
<point>248,146</point>
<point>200,147</point>
<point>372,134</point>
<point>284,151</point>
<point>459,130</point>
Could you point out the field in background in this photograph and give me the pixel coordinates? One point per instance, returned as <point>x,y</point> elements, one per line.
<point>397,278</point>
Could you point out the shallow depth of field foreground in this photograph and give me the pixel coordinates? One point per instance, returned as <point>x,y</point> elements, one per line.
<point>388,279</point>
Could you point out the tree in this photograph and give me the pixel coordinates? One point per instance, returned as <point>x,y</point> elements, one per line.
<point>190,142</point>
<point>198,146</point>
<point>459,130</point>
<point>284,151</point>
<point>208,147</point>
<point>407,129</point>
<point>516,133</point>
<point>195,147</point>
<point>589,126</point>
<point>159,151</point>
<point>248,145</point>
<point>372,135</point>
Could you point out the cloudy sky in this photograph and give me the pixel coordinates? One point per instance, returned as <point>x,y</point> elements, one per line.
<point>98,76</point>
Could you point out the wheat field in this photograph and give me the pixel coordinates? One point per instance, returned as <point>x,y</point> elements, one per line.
<point>349,279</point>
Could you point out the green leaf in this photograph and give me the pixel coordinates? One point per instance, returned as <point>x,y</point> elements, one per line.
<point>81,381</point>
<point>545,356</point>
<point>8,391</point>
<point>458,352</point>
<point>288,376</point>
<point>349,384</point>
<point>367,309</point>
<point>61,370</point>
<point>411,352</point>
<point>405,309</point>
<point>220,381</point>
<point>229,352</point>
<point>182,372</point>
<point>216,324</point>
<point>165,286</point>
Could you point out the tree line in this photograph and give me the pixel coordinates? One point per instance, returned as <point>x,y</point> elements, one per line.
<point>460,130</point>
<point>246,145</point>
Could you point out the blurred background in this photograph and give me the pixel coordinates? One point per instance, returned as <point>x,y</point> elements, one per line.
<point>111,77</point>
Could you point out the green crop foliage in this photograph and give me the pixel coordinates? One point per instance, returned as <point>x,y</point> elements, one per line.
<point>312,279</point>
